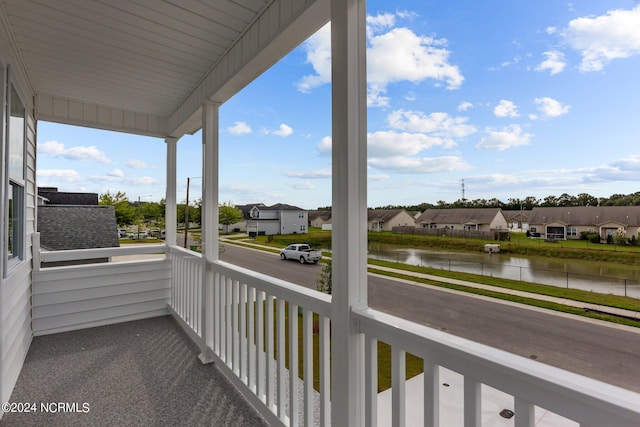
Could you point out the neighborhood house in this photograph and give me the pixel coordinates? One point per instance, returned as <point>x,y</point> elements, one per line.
<point>569,222</point>
<point>277,219</point>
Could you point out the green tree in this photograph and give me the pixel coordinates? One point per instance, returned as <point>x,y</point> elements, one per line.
<point>125,213</point>
<point>228,214</point>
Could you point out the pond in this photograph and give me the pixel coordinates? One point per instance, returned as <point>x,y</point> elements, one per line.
<point>603,277</point>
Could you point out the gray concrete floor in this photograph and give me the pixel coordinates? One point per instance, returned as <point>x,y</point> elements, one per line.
<point>140,373</point>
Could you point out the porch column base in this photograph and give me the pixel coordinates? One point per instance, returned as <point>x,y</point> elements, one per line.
<point>207,356</point>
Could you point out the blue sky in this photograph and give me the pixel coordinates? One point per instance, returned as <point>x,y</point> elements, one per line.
<point>515,98</point>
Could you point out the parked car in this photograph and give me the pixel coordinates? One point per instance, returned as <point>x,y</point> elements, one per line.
<point>301,252</point>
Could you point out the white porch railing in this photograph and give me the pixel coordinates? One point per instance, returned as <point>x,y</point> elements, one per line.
<point>246,333</point>
<point>253,335</point>
<point>68,297</point>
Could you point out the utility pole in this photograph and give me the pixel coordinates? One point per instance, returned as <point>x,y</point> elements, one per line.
<point>186,215</point>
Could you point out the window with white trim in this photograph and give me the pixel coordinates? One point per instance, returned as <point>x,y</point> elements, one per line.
<point>15,178</point>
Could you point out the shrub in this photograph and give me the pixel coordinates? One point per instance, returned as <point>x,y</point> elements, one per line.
<point>324,281</point>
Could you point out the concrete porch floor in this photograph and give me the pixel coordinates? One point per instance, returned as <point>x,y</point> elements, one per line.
<point>144,372</point>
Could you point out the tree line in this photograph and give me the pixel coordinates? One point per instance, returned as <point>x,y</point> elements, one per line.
<point>528,203</point>
<point>137,212</point>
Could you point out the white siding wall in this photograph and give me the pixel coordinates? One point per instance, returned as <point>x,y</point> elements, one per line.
<point>76,297</point>
<point>499,223</point>
<point>15,288</point>
<point>291,222</point>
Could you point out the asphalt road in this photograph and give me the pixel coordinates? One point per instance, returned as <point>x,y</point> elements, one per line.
<point>596,349</point>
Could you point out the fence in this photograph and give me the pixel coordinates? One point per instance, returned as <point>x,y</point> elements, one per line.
<point>448,232</point>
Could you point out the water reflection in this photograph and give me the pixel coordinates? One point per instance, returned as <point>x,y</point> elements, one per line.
<point>586,275</point>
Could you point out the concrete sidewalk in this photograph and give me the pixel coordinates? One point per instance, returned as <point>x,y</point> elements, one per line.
<point>630,314</point>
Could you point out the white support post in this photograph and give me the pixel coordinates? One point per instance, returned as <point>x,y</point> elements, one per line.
<point>170,206</point>
<point>210,180</point>
<point>349,208</point>
<point>209,219</point>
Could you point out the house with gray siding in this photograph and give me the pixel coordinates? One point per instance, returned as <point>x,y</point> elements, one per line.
<point>277,219</point>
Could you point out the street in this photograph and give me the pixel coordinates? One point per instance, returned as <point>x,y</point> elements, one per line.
<point>599,350</point>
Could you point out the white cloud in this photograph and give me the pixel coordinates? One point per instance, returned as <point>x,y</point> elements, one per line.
<point>390,143</point>
<point>324,146</point>
<point>239,128</point>
<point>402,55</point>
<point>117,176</point>
<point>604,38</point>
<point>305,185</point>
<point>81,153</point>
<point>379,23</point>
<point>318,49</point>
<point>554,63</point>
<point>392,56</point>
<point>626,169</point>
<point>464,106</point>
<point>437,124</point>
<point>506,109</point>
<point>139,164</point>
<point>317,174</point>
<point>377,178</point>
<point>283,131</point>
<point>65,175</point>
<point>505,64</point>
<point>549,107</point>
<point>401,164</point>
<point>503,139</point>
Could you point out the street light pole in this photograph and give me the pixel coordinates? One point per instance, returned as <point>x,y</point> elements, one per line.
<point>186,215</point>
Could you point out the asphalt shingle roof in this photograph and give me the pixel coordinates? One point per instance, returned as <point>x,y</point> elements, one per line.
<point>64,227</point>
<point>586,215</point>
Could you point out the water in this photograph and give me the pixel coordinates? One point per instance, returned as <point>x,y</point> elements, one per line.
<point>593,276</point>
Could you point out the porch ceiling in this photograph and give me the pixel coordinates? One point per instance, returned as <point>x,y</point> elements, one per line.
<point>145,58</point>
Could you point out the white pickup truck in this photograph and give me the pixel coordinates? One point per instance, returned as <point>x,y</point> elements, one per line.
<point>301,252</point>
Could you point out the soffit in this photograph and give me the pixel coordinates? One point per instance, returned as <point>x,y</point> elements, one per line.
<point>144,56</point>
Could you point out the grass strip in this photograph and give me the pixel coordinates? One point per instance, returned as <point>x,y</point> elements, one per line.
<point>513,298</point>
<point>589,297</point>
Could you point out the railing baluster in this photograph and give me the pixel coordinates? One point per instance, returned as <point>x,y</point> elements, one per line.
<point>251,340</point>
<point>261,359</point>
<point>307,343</point>
<point>371,382</point>
<point>243,333</point>
<point>472,402</point>
<point>431,394</point>
<point>271,390</point>
<point>235,324</point>
<point>228,324</point>
<point>281,358</point>
<point>398,380</point>
<point>325,373</point>
<point>525,413</point>
<point>223,317</point>
<point>217,320</point>
<point>293,365</point>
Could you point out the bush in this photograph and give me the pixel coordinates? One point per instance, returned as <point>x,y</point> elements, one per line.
<point>591,236</point>
<point>324,281</point>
